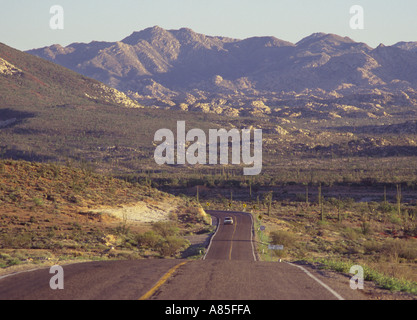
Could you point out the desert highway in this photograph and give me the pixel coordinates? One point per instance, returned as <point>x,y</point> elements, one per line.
<point>228,271</point>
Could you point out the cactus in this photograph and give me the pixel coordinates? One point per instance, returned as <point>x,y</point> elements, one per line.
<point>321,204</point>
<point>399,199</point>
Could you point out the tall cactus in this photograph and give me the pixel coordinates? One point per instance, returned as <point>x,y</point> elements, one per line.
<point>321,204</point>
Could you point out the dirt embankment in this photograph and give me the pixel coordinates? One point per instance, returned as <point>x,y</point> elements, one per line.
<point>140,212</point>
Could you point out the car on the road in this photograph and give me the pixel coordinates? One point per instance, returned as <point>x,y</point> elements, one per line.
<point>228,220</point>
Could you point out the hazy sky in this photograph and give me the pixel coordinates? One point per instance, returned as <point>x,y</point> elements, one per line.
<point>24,24</point>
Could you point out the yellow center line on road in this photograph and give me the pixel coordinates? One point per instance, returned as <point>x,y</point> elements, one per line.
<point>161,281</point>
<point>231,241</point>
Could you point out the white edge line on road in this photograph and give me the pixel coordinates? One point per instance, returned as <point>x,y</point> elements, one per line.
<point>41,268</point>
<point>251,237</point>
<point>211,239</point>
<point>338,296</point>
<point>23,271</point>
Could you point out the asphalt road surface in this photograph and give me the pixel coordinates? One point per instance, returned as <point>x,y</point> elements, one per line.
<point>228,271</point>
<point>232,242</point>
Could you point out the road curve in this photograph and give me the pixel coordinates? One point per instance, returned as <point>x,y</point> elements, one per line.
<point>232,242</point>
<point>229,271</point>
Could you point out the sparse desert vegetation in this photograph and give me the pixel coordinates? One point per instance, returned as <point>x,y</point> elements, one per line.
<point>336,233</point>
<point>47,216</point>
<point>338,184</point>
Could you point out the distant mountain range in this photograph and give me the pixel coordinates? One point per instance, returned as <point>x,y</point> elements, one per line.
<point>191,71</point>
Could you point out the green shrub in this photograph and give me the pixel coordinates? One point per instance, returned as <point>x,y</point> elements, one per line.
<point>165,229</point>
<point>350,234</point>
<point>148,239</point>
<point>393,218</point>
<point>18,241</point>
<point>171,245</point>
<point>386,207</point>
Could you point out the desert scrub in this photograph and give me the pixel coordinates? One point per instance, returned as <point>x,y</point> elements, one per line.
<point>148,239</point>
<point>399,249</point>
<point>163,238</point>
<point>165,229</point>
<point>370,274</point>
<point>38,202</point>
<point>7,260</point>
<point>17,241</point>
<point>193,213</point>
<point>350,233</point>
<point>171,245</point>
<point>285,238</point>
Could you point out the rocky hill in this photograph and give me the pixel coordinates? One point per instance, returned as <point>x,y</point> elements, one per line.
<point>28,80</point>
<point>190,71</point>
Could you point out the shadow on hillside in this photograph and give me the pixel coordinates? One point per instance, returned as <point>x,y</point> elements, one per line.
<point>9,118</point>
<point>7,113</point>
<point>14,154</point>
<point>409,127</point>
